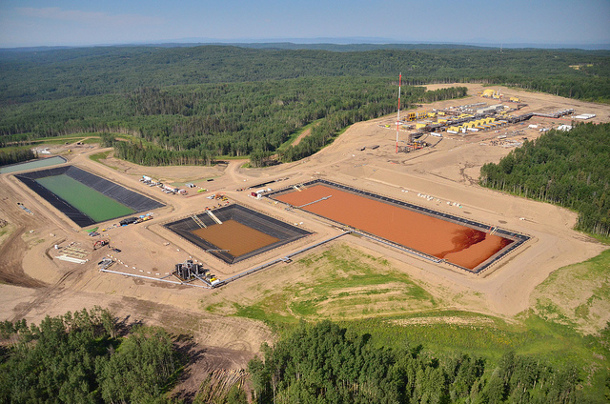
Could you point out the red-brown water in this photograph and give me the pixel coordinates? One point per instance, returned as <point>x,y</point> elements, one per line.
<point>458,244</point>
<point>235,237</point>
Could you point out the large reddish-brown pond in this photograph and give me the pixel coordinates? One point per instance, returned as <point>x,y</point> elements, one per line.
<point>458,244</point>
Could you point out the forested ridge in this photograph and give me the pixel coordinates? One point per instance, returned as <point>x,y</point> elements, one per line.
<point>569,168</point>
<point>27,76</point>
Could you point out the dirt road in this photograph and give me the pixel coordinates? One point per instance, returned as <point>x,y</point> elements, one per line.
<point>35,284</point>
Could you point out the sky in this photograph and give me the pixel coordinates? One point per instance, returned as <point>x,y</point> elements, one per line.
<point>495,22</point>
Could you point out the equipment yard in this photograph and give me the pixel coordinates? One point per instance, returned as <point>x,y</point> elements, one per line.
<point>469,247</point>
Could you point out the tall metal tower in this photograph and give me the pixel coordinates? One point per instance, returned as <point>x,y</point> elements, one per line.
<point>398,116</point>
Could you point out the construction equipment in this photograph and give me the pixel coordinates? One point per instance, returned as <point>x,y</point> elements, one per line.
<point>100,243</point>
<point>188,270</point>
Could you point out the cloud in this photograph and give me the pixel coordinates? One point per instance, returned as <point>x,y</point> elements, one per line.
<point>56,13</point>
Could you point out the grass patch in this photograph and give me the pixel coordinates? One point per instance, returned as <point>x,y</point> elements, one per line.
<point>576,295</point>
<point>557,344</point>
<point>367,295</point>
<point>340,283</point>
<point>216,308</point>
<point>600,238</point>
<point>91,140</point>
<point>76,137</point>
<point>5,232</point>
<point>219,159</point>
<point>99,156</point>
<point>8,149</point>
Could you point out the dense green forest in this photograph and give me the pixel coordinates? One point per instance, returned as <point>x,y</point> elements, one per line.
<point>16,156</point>
<point>567,168</point>
<point>192,124</point>
<point>187,105</point>
<point>87,357</point>
<point>221,119</point>
<point>325,363</point>
<point>82,357</point>
<point>27,76</point>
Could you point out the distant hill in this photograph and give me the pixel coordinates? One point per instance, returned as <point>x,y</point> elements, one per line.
<point>47,73</point>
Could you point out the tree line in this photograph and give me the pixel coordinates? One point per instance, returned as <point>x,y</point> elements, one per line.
<point>80,357</point>
<point>13,156</point>
<point>569,168</point>
<point>87,357</point>
<point>325,363</point>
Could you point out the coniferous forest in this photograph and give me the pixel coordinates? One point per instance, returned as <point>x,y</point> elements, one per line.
<point>569,168</point>
<point>85,357</point>
<point>192,124</point>
<point>188,105</point>
<point>325,363</point>
<point>16,156</point>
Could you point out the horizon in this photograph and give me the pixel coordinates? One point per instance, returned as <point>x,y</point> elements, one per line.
<point>68,23</point>
<point>298,43</point>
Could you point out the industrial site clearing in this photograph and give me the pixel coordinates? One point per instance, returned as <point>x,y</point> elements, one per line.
<point>189,247</point>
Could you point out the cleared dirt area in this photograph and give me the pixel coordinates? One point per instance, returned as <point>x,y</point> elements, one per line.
<point>35,283</point>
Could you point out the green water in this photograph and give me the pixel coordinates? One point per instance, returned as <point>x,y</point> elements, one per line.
<point>94,204</point>
<point>46,162</point>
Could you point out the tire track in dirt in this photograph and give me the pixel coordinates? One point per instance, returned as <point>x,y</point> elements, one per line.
<point>12,252</point>
<point>43,295</point>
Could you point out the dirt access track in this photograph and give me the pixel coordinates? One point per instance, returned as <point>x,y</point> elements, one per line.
<point>36,284</point>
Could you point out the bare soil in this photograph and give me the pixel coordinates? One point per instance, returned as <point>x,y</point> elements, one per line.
<point>301,137</point>
<point>35,283</point>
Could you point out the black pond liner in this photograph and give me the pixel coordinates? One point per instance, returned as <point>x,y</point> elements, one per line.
<point>131,199</point>
<point>285,232</point>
